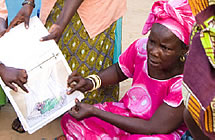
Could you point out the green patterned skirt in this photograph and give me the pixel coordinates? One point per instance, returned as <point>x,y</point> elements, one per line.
<point>87,56</point>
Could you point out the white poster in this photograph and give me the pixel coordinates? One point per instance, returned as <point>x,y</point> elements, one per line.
<point>47,75</point>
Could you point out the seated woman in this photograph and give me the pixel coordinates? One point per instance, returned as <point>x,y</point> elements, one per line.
<point>152,108</point>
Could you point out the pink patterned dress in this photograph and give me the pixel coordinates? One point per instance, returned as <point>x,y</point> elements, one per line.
<point>141,100</point>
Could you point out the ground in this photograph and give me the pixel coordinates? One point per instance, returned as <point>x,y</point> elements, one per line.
<point>133,21</point>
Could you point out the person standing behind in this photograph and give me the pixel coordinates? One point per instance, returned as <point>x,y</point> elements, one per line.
<point>199,72</point>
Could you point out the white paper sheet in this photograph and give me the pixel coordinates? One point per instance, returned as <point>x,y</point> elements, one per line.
<point>47,75</point>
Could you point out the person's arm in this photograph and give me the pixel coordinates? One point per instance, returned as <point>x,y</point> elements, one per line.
<point>11,76</point>
<point>68,11</point>
<point>109,76</point>
<point>22,16</point>
<point>3,26</point>
<point>195,131</point>
<point>112,75</point>
<point>3,17</point>
<point>165,120</point>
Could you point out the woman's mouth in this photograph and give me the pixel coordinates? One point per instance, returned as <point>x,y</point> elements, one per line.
<point>153,62</point>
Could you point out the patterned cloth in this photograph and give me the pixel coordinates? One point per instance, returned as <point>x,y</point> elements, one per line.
<point>198,6</point>
<point>176,15</point>
<point>141,100</point>
<point>199,86</point>
<point>199,82</point>
<point>208,38</point>
<point>87,56</point>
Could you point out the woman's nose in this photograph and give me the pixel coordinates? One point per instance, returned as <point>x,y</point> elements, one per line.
<point>155,51</point>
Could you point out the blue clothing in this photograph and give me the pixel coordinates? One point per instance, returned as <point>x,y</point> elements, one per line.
<point>118,40</point>
<point>13,7</point>
<point>187,136</point>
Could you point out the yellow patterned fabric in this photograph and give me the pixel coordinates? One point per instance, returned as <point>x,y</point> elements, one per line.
<point>211,115</point>
<point>208,39</point>
<point>211,2</point>
<point>198,5</point>
<point>195,107</point>
<point>192,103</point>
<point>87,56</point>
<point>208,120</point>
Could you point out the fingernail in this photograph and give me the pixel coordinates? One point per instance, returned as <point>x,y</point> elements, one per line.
<point>15,89</point>
<point>26,26</point>
<point>68,89</point>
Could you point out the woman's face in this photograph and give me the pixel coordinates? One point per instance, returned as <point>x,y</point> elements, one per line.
<point>164,48</point>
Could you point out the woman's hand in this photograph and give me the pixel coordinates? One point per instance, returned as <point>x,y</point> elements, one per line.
<point>11,75</point>
<point>81,110</point>
<point>55,33</point>
<point>77,82</point>
<point>22,16</point>
<point>68,11</point>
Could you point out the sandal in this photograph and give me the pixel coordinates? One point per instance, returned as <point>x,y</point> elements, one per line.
<point>17,126</point>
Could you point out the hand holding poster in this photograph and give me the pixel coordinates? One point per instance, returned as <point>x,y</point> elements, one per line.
<point>47,72</point>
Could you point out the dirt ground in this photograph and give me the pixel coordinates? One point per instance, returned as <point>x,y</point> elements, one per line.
<point>133,21</point>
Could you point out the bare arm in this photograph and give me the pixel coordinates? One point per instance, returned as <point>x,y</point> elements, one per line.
<point>112,75</point>
<point>3,26</point>
<point>109,76</point>
<point>68,11</point>
<point>22,16</point>
<point>165,120</point>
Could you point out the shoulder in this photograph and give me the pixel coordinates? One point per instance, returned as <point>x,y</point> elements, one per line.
<point>174,96</point>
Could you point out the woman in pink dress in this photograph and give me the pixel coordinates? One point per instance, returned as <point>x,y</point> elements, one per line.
<point>152,108</point>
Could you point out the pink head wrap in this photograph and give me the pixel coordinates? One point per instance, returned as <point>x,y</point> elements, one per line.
<point>176,15</point>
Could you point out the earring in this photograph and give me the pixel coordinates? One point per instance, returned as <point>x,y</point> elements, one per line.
<point>182,58</point>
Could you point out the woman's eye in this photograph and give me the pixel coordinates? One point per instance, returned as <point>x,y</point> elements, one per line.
<point>151,41</point>
<point>165,48</point>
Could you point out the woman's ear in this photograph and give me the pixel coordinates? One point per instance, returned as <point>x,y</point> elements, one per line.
<point>185,49</point>
<point>183,53</point>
